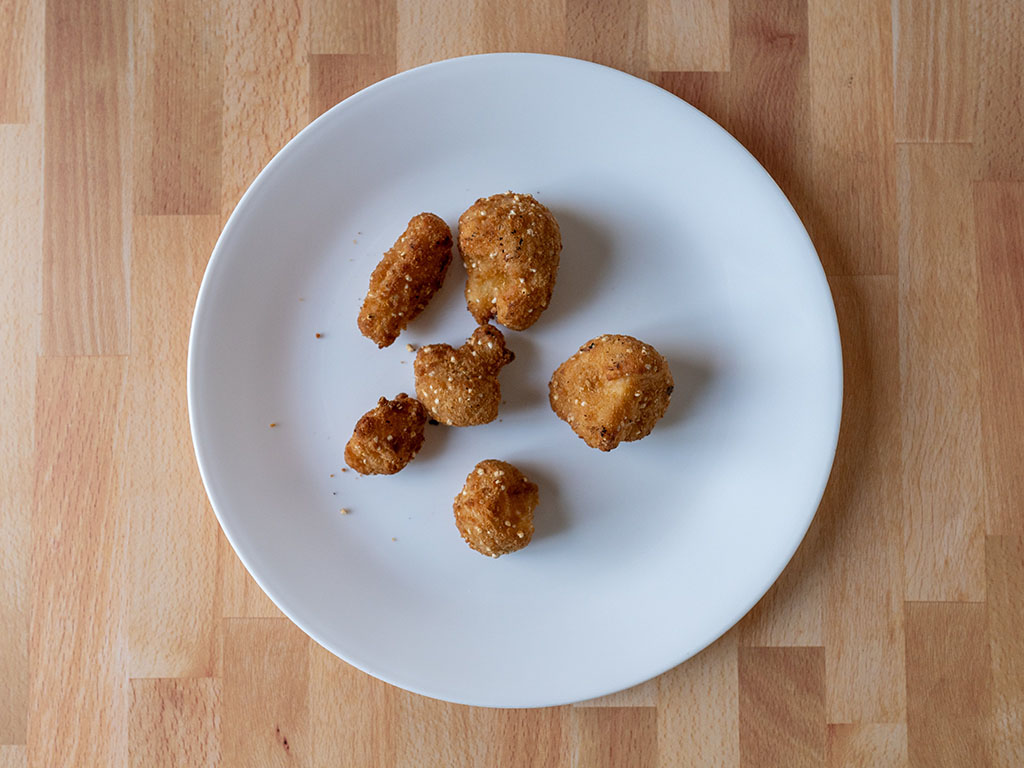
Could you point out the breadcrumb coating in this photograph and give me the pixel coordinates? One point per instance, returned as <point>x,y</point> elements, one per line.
<point>460,387</point>
<point>387,437</point>
<point>494,509</point>
<point>510,244</point>
<point>406,278</point>
<point>613,390</point>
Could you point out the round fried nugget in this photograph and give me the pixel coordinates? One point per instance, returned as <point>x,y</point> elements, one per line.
<point>510,245</point>
<point>614,389</point>
<point>406,278</point>
<point>459,387</point>
<point>387,437</point>
<point>494,509</point>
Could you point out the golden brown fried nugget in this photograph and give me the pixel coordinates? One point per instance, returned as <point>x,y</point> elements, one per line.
<point>510,245</point>
<point>388,437</point>
<point>406,278</point>
<point>614,389</point>
<point>494,509</point>
<point>459,387</point>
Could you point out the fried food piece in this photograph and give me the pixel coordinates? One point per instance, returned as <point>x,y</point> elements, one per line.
<point>387,437</point>
<point>494,509</point>
<point>406,278</point>
<point>459,387</point>
<point>510,245</point>
<point>614,389</point>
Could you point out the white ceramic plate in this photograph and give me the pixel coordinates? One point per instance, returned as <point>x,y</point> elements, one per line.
<point>672,233</point>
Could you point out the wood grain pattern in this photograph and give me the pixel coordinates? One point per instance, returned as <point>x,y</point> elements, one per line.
<point>866,746</point>
<point>13,757</point>
<point>998,141</point>
<point>1005,561</point>
<point>999,220</point>
<point>78,690</point>
<point>173,624</point>
<point>935,63</point>
<point>366,27</point>
<point>21,168</point>
<point>174,723</point>
<point>353,716</point>
<point>782,707</point>
<point>264,106</point>
<point>130,633</point>
<point>85,243</point>
<point>863,622</point>
<point>21,57</point>
<point>609,737</point>
<point>335,77</point>
<point>688,35</point>
<point>265,709</point>
<point>852,148</point>
<point>179,63</point>
<point>425,35</point>
<point>943,485</point>
<point>698,709</point>
<point>948,685</point>
<point>609,32</point>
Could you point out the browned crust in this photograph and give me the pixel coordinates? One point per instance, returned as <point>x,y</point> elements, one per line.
<point>406,278</point>
<point>613,390</point>
<point>460,387</point>
<point>387,437</point>
<point>494,509</point>
<point>510,245</point>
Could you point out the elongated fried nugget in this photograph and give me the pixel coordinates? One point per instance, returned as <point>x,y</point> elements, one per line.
<point>387,437</point>
<point>459,387</point>
<point>406,279</point>
<point>614,389</point>
<point>494,509</point>
<point>510,245</point>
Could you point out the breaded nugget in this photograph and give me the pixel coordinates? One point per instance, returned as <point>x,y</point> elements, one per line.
<point>614,389</point>
<point>459,387</point>
<point>510,245</point>
<point>387,437</point>
<point>406,278</point>
<point>494,509</point>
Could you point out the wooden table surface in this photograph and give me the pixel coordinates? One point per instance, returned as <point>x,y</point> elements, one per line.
<point>130,633</point>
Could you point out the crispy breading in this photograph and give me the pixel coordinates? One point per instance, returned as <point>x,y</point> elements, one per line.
<point>494,509</point>
<point>387,437</point>
<point>614,389</point>
<point>459,387</point>
<point>406,278</point>
<point>510,244</point>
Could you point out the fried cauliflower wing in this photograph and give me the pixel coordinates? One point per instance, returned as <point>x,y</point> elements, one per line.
<point>494,509</point>
<point>510,245</point>
<point>387,437</point>
<point>406,278</point>
<point>614,389</point>
<point>459,387</point>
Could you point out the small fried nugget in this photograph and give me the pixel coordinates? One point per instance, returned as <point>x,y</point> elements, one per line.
<point>459,387</point>
<point>614,389</point>
<point>510,245</point>
<point>406,278</point>
<point>494,509</point>
<point>388,437</point>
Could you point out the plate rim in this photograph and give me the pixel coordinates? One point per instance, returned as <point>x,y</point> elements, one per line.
<point>202,301</point>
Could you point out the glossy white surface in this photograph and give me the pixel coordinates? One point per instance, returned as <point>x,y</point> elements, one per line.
<point>672,232</point>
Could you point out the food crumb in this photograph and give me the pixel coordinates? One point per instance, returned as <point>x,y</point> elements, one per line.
<point>410,348</point>
<point>394,539</point>
<point>319,335</point>
<point>344,510</point>
<point>344,469</point>
<point>332,475</point>
<point>273,424</point>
